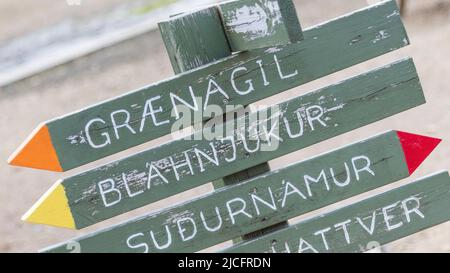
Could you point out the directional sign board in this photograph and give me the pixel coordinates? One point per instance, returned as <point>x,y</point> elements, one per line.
<point>366,224</point>
<point>152,175</point>
<point>150,112</point>
<point>268,199</point>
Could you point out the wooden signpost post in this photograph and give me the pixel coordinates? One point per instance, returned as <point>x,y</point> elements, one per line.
<point>248,24</point>
<point>236,53</point>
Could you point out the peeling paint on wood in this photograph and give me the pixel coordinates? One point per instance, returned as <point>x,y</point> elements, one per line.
<point>194,39</point>
<point>252,24</point>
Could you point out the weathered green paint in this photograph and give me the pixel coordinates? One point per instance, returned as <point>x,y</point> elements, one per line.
<point>346,106</point>
<point>340,174</point>
<point>194,39</point>
<point>253,24</point>
<point>430,195</point>
<point>327,48</point>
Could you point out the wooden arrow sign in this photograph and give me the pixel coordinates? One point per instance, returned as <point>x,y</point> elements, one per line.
<point>152,175</point>
<point>267,199</point>
<point>150,112</point>
<point>364,225</point>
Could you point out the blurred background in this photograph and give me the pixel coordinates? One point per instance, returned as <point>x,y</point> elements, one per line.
<point>57,56</point>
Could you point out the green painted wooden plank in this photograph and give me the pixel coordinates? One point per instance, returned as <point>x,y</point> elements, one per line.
<point>194,39</point>
<point>177,166</point>
<point>376,221</point>
<point>258,203</point>
<point>112,126</point>
<point>253,24</point>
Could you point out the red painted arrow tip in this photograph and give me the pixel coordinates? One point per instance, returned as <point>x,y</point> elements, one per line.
<point>416,148</point>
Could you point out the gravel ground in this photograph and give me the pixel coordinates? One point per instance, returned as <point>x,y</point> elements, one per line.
<point>143,60</point>
<point>29,15</point>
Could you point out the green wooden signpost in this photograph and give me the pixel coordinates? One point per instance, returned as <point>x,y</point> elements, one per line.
<point>148,113</point>
<point>152,175</point>
<point>236,53</point>
<point>246,25</point>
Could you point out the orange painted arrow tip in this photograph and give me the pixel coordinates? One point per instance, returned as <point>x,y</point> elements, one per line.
<point>52,209</point>
<point>416,148</point>
<point>37,152</point>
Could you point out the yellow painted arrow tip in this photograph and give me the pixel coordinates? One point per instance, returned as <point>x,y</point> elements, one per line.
<point>37,152</point>
<point>52,209</point>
